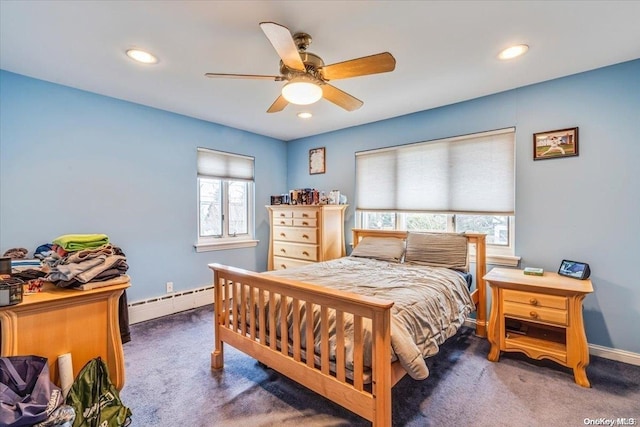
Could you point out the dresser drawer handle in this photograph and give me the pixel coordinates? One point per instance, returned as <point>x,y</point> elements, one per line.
<point>533,301</point>
<point>533,314</point>
<point>305,223</point>
<point>305,253</point>
<point>283,222</point>
<point>283,235</point>
<point>282,214</point>
<point>304,236</point>
<point>283,266</point>
<point>304,215</point>
<point>284,251</point>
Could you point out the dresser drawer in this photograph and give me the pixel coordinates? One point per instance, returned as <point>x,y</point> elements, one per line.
<point>305,213</point>
<point>296,250</point>
<point>281,263</point>
<point>535,299</point>
<point>305,222</point>
<point>535,313</point>
<point>295,234</point>
<point>283,221</point>
<point>284,213</point>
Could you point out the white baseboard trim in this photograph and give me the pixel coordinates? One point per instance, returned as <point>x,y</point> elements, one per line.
<point>596,350</point>
<point>615,354</point>
<point>165,305</point>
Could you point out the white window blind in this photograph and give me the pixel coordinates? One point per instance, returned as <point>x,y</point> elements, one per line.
<point>466,174</point>
<point>217,164</point>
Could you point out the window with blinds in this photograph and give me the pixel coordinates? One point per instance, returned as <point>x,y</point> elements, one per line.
<point>225,200</point>
<point>464,183</point>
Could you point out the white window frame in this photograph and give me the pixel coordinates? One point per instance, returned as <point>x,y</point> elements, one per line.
<point>226,240</point>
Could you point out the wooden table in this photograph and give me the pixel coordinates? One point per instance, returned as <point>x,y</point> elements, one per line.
<point>540,316</point>
<point>58,321</point>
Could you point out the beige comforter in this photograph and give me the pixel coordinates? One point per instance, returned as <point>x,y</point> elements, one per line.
<point>430,304</point>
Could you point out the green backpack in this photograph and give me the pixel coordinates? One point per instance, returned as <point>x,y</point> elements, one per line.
<point>95,399</point>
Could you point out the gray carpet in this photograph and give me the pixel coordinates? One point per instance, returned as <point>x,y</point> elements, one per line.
<point>169,383</point>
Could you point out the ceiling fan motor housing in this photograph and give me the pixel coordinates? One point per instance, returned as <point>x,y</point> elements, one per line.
<point>312,63</point>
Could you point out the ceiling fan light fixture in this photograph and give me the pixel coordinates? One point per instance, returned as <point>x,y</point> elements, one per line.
<point>302,91</point>
<point>305,115</point>
<point>513,51</point>
<point>142,56</point>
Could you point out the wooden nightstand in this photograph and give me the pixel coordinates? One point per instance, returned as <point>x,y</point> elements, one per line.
<point>540,316</point>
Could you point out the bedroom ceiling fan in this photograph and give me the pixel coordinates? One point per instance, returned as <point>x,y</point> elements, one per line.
<point>305,73</point>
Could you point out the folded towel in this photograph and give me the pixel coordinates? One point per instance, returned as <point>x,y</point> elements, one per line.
<point>78,242</point>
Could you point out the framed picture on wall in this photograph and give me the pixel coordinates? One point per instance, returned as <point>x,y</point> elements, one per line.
<point>555,143</point>
<point>316,161</point>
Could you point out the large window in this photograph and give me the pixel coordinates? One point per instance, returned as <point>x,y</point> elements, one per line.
<point>225,200</point>
<point>456,184</point>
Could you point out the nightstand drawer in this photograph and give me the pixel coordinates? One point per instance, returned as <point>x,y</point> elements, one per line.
<point>536,314</point>
<point>296,250</point>
<point>535,299</point>
<point>293,234</point>
<point>281,263</point>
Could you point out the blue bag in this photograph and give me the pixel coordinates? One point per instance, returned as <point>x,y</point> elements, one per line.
<point>27,395</point>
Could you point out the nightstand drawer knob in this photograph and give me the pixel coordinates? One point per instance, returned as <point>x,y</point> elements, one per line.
<point>533,301</point>
<point>283,235</point>
<point>533,314</point>
<point>284,251</point>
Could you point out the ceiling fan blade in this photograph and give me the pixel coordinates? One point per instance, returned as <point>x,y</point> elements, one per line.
<point>278,105</point>
<point>374,64</point>
<point>340,98</point>
<point>282,41</point>
<point>243,76</point>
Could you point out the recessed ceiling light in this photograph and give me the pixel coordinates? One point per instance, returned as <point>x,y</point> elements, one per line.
<point>141,56</point>
<point>513,51</point>
<point>305,115</point>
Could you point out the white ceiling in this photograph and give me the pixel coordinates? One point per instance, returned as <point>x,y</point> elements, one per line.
<point>445,52</point>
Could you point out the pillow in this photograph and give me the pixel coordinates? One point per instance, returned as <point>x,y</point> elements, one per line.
<point>382,248</point>
<point>447,250</point>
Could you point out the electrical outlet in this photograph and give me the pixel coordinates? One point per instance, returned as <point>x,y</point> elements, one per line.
<point>169,287</point>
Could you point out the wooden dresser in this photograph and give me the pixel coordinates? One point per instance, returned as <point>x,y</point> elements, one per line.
<point>58,321</point>
<point>304,234</point>
<point>540,316</point>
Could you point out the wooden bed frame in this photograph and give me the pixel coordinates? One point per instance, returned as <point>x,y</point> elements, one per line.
<point>331,380</point>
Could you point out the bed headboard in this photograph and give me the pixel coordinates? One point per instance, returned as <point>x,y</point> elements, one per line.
<point>478,242</point>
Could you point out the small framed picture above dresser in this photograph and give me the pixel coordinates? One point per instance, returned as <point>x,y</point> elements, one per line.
<point>316,161</point>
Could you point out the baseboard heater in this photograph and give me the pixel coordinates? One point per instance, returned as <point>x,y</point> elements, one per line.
<point>165,305</point>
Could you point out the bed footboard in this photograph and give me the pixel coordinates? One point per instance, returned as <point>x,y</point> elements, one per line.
<point>245,319</point>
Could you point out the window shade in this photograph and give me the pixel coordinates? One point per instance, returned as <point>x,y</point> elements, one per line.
<point>216,164</point>
<point>467,174</point>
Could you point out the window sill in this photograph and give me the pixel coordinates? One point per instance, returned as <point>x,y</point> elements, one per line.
<point>225,244</point>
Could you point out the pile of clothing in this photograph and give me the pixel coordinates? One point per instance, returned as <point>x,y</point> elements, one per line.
<point>76,259</point>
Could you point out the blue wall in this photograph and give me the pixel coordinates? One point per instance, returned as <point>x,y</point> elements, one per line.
<point>583,208</point>
<point>77,162</point>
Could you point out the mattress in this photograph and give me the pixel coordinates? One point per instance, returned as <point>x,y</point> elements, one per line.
<point>430,304</point>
